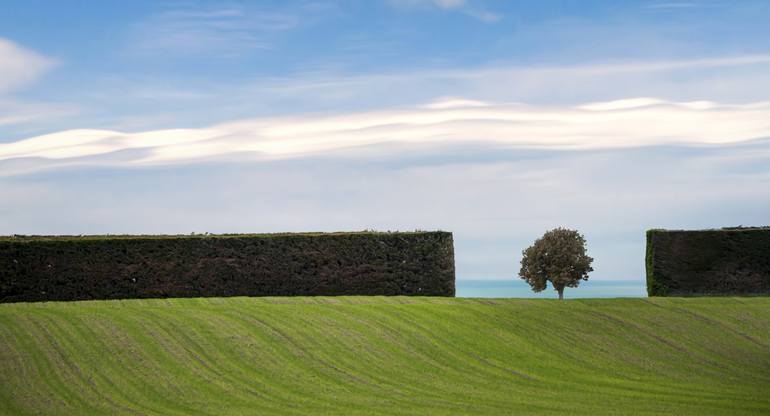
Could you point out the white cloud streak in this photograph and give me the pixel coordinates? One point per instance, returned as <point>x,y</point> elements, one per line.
<point>607,125</point>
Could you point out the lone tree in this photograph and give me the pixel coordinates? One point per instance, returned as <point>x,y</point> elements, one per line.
<point>559,257</point>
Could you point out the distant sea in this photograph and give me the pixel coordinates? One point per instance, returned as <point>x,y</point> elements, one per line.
<point>516,288</point>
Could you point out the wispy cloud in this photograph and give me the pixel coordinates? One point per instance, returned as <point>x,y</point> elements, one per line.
<point>226,31</point>
<point>469,8</point>
<point>441,4</point>
<point>609,125</point>
<point>672,5</point>
<point>19,66</point>
<point>17,112</point>
<point>742,78</point>
<point>585,81</point>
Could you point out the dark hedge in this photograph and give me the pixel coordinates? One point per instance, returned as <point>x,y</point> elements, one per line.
<point>121,267</point>
<point>729,261</point>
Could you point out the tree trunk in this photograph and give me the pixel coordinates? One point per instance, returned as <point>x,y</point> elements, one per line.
<point>561,293</point>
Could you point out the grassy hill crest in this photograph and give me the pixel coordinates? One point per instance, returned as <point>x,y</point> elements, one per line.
<point>386,355</point>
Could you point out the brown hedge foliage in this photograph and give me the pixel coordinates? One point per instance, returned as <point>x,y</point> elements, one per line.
<point>121,267</point>
<point>729,261</point>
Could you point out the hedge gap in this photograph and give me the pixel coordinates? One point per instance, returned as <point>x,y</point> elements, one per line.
<point>729,261</point>
<point>42,268</point>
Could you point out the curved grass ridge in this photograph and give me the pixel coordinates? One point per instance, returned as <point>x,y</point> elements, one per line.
<point>386,355</point>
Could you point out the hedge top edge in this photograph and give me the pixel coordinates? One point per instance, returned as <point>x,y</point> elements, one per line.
<point>20,237</point>
<point>711,230</point>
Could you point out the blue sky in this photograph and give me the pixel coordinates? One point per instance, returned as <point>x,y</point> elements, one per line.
<point>494,119</point>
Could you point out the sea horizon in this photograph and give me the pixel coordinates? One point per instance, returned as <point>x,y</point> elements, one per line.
<point>516,288</point>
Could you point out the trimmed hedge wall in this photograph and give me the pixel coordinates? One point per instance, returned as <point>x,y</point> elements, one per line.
<point>729,261</point>
<point>120,267</point>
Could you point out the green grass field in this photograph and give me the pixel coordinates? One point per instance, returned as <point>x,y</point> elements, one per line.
<point>374,355</point>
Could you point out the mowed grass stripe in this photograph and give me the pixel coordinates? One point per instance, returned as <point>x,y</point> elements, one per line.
<point>382,355</point>
<point>92,366</point>
<point>554,354</point>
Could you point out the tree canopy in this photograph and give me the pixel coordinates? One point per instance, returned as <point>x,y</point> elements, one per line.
<point>559,257</point>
